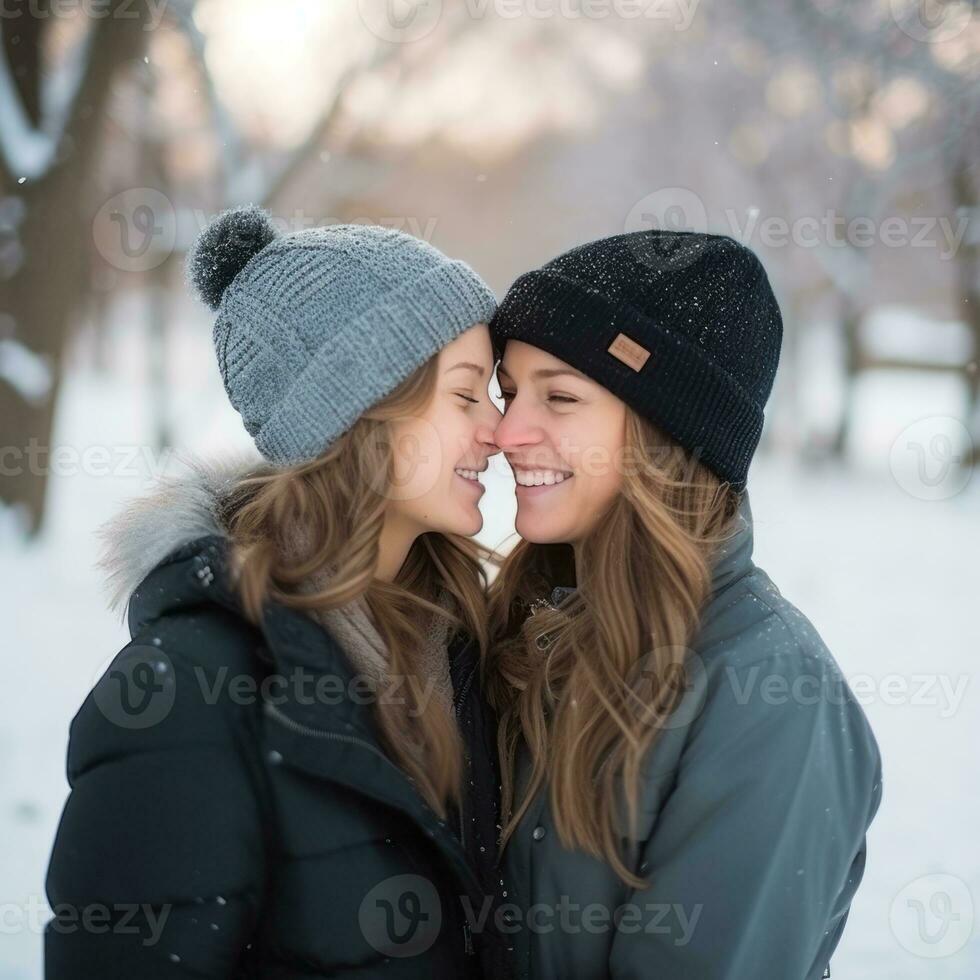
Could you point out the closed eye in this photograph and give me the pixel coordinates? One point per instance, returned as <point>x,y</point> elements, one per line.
<point>564,399</point>
<point>467,398</point>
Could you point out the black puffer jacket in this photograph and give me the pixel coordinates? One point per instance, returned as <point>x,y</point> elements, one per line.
<point>232,813</point>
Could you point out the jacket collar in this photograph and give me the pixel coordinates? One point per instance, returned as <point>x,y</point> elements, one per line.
<point>734,557</point>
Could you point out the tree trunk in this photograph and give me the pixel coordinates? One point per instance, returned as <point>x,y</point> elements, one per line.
<point>50,286</point>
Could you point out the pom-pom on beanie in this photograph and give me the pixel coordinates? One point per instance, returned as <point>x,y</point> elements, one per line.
<point>316,326</point>
<point>682,326</point>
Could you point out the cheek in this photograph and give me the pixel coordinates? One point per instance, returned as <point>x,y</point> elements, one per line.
<point>599,479</point>
<point>608,479</point>
<point>418,461</point>
<point>592,496</point>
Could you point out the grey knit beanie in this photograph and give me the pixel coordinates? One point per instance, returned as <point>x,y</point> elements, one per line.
<point>316,326</point>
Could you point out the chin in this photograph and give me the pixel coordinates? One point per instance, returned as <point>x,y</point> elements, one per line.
<point>465,525</point>
<point>539,532</point>
<point>475,525</point>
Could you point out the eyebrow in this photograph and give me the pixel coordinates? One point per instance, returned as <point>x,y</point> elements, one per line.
<point>548,373</point>
<point>469,366</point>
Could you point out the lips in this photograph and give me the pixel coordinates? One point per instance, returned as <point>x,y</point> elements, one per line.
<point>471,479</point>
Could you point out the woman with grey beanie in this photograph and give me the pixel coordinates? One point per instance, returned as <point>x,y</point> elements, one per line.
<point>289,771</point>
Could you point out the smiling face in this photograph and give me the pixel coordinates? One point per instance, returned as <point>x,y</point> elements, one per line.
<point>439,451</point>
<point>563,435</point>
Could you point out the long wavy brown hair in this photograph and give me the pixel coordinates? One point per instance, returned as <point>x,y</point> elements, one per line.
<point>337,504</point>
<point>588,685</point>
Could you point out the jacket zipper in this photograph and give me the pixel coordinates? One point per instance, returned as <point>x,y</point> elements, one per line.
<point>466,688</point>
<point>302,729</point>
<point>467,938</point>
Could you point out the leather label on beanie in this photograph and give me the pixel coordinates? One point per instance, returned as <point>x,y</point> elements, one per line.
<point>628,351</point>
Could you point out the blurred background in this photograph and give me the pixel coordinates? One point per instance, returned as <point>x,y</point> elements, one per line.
<point>840,141</point>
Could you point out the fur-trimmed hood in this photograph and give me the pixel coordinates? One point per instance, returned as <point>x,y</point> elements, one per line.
<point>178,510</point>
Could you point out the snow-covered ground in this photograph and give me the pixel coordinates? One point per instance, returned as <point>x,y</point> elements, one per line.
<point>883,556</point>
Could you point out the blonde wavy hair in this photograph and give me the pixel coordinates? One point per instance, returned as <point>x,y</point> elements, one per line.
<point>339,501</point>
<point>588,685</point>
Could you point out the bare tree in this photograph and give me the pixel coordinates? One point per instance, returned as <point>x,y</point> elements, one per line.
<point>47,151</point>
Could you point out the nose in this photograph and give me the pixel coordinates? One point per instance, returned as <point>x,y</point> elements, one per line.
<point>486,430</point>
<point>516,430</point>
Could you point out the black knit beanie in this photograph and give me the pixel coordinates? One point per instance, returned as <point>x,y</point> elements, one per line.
<point>682,326</point>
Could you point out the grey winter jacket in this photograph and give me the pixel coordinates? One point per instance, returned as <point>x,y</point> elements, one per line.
<point>754,807</point>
